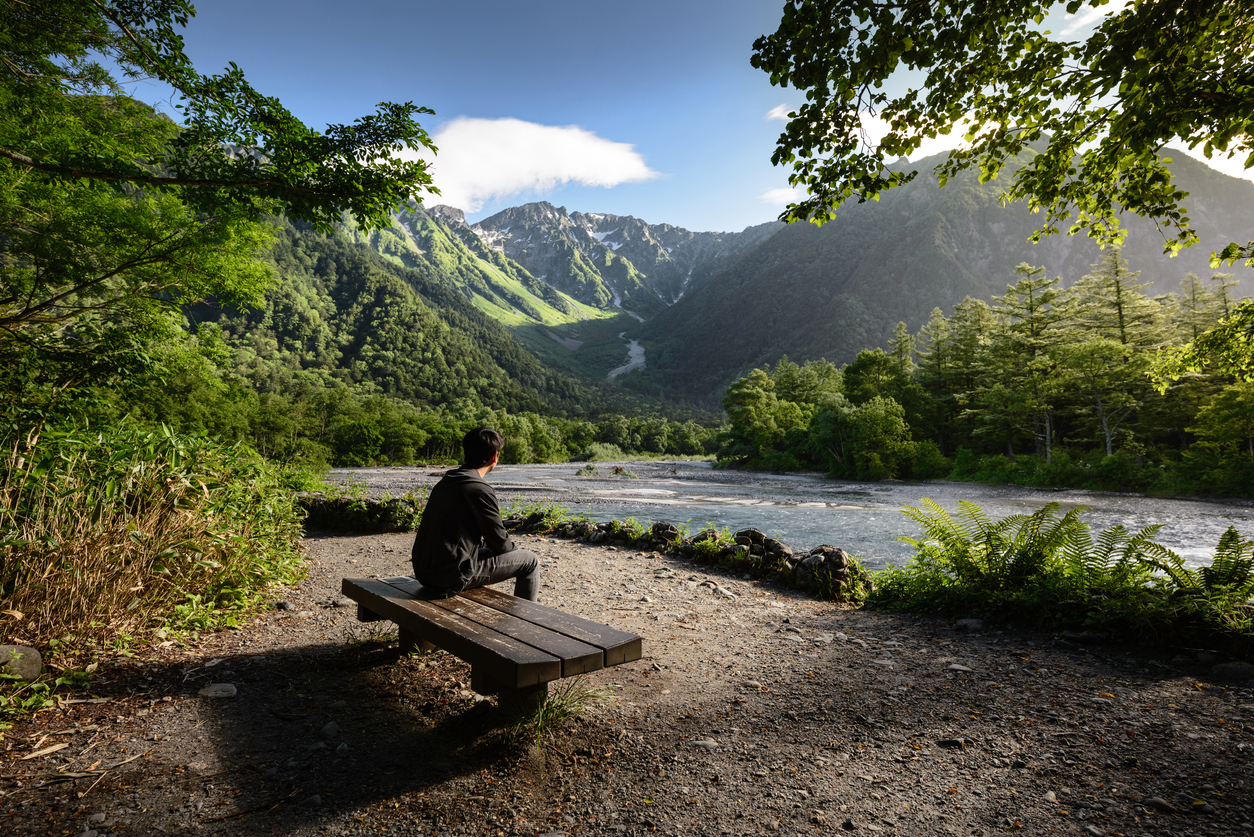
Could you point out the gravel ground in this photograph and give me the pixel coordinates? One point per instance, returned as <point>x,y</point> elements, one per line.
<point>753,710</point>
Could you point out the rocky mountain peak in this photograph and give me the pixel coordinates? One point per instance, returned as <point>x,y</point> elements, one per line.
<point>448,214</point>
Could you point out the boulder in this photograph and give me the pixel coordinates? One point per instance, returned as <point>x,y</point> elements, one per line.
<point>665,531</point>
<point>705,535</point>
<point>20,661</point>
<point>806,572</point>
<point>754,536</point>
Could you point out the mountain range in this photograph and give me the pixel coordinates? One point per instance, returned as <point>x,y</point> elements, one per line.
<point>575,289</point>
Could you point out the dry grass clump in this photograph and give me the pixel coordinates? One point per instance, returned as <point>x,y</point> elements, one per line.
<point>107,534</point>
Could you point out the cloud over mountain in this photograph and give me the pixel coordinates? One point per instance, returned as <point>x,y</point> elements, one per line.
<point>485,159</point>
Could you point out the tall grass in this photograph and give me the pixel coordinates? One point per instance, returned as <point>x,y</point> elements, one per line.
<point>109,533</point>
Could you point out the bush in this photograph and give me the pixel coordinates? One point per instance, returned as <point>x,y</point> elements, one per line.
<point>926,462</point>
<point>1050,570</point>
<point>111,532</point>
<point>599,452</point>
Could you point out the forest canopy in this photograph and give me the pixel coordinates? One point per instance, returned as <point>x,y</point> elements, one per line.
<point>113,215</point>
<point>1102,108</point>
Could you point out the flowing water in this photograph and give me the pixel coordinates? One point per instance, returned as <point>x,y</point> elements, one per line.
<point>805,510</point>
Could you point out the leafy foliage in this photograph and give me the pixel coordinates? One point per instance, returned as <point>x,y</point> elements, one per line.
<point>56,57</point>
<point>1104,106</point>
<point>1062,373</point>
<point>1049,569</point>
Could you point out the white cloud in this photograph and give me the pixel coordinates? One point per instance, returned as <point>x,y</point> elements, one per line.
<point>783,197</point>
<point>779,112</point>
<point>483,159</point>
<point>874,129</point>
<point>1093,14</point>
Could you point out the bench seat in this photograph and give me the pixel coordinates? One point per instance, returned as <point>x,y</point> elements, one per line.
<point>515,647</point>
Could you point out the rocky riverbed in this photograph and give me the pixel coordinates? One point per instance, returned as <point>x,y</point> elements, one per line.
<point>754,710</point>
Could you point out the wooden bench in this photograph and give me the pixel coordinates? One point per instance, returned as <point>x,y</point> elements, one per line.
<point>514,646</point>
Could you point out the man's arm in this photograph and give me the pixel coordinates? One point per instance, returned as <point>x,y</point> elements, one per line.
<point>488,515</point>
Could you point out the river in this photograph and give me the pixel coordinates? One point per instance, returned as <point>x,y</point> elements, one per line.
<point>805,510</point>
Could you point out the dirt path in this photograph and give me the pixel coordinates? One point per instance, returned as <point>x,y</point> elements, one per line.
<point>754,710</point>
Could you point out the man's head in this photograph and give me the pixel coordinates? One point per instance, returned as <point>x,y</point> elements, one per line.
<point>480,446</point>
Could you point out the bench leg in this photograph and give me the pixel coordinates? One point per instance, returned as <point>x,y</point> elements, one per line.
<point>523,700</point>
<point>364,614</point>
<point>410,641</point>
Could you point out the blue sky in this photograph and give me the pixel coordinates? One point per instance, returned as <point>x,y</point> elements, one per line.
<point>647,108</point>
<point>661,94</point>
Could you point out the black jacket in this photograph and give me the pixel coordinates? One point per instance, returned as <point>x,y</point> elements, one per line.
<point>461,515</point>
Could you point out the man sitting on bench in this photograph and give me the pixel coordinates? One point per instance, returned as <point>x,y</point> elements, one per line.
<point>461,540</point>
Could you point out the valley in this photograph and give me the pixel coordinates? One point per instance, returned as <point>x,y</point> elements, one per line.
<point>708,307</point>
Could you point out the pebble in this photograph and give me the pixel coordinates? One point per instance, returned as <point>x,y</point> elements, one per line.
<point>956,667</point>
<point>707,744</point>
<point>330,730</point>
<point>345,602</point>
<point>952,743</point>
<point>1160,804</point>
<point>342,749</point>
<point>283,605</point>
<point>1051,797</point>
<point>97,817</point>
<point>970,624</point>
<point>314,801</point>
<point>218,690</point>
<point>1094,831</point>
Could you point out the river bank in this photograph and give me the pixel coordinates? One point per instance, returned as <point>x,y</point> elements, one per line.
<point>807,510</point>
<point>755,709</point>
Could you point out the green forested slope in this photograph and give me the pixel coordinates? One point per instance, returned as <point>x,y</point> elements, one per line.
<point>341,313</point>
<point>826,292</point>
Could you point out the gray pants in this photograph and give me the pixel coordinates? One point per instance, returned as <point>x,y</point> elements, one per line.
<point>487,569</point>
<point>522,565</point>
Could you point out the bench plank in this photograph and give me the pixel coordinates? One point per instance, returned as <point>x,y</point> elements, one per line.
<point>577,657</point>
<point>512,663</point>
<point>619,646</point>
<point>539,630</point>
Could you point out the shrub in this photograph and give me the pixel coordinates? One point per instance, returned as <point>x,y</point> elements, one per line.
<point>926,462</point>
<point>1048,568</point>
<point>111,532</point>
<point>600,452</point>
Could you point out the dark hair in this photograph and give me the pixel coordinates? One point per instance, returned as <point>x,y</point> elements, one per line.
<point>480,445</point>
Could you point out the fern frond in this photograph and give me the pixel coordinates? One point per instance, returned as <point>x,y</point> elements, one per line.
<point>1232,567</point>
<point>1161,558</point>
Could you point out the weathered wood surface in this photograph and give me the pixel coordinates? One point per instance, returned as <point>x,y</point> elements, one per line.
<point>509,641</point>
